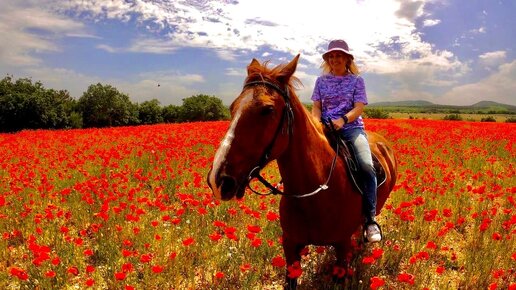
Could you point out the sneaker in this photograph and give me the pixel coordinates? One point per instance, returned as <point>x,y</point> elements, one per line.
<point>373,233</point>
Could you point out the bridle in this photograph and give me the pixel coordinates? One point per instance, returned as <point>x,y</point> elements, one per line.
<point>288,115</point>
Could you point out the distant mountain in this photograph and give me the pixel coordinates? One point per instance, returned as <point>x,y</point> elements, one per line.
<point>418,103</point>
<point>422,104</point>
<point>490,104</point>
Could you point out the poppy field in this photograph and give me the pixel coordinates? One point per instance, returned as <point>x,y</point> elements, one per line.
<point>129,208</point>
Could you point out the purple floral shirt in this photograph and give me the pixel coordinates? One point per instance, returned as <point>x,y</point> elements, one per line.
<point>338,95</point>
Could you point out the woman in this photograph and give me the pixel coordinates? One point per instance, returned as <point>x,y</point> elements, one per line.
<point>340,95</point>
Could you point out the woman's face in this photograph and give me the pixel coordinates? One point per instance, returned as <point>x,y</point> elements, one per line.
<point>337,61</point>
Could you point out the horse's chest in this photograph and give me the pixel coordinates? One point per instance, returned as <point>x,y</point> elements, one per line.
<point>316,223</point>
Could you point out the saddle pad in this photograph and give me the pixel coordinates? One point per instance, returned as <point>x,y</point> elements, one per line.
<point>347,155</point>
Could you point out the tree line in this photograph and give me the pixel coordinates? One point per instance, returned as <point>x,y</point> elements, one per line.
<point>29,105</point>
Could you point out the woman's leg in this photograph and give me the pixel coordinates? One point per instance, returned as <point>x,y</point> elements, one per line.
<point>362,152</point>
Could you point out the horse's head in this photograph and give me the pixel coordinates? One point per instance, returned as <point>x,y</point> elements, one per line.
<point>261,118</point>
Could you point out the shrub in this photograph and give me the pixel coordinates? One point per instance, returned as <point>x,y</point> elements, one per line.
<point>488,119</point>
<point>453,117</point>
<point>376,114</point>
<point>510,120</point>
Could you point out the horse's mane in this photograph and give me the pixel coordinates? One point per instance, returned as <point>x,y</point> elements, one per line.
<point>264,72</point>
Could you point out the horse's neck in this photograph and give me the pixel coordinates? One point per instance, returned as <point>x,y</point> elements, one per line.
<point>308,157</point>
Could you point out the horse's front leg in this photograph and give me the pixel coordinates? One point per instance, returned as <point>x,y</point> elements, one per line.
<point>292,253</point>
<point>342,253</point>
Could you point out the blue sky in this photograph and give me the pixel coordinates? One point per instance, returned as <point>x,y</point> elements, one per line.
<point>445,51</point>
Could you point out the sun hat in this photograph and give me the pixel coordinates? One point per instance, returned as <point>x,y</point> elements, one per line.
<point>339,45</point>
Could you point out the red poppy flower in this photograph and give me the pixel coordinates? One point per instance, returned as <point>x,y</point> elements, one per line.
<point>127,267</point>
<point>157,269</point>
<point>254,229</point>
<point>245,267</point>
<point>120,275</point>
<point>90,269</point>
<point>294,270</point>
<point>279,262</point>
<point>256,242</point>
<point>145,258</point>
<point>406,278</point>
<point>73,270</point>
<point>19,272</point>
<point>50,274</point>
<point>377,253</point>
<point>376,282</point>
<point>339,271</point>
<point>189,241</point>
<point>215,236</point>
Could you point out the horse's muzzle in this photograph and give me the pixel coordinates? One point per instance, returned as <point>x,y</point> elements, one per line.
<point>225,186</point>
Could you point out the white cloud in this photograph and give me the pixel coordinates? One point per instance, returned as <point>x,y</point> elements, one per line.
<point>249,24</point>
<point>229,26</point>
<point>431,22</point>
<point>18,22</point>
<point>493,58</point>
<point>238,72</point>
<point>382,36</point>
<point>498,87</point>
<point>479,30</point>
<point>107,48</point>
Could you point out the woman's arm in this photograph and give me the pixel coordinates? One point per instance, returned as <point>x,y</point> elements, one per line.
<point>351,115</point>
<point>316,111</point>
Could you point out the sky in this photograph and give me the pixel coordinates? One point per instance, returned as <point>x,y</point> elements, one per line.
<point>455,52</point>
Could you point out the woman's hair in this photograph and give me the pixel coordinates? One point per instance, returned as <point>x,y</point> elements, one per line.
<point>351,67</point>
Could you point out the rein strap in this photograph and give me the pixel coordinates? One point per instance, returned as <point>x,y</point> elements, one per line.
<point>288,113</point>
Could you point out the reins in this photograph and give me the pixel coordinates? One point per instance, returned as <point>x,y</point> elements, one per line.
<point>288,114</point>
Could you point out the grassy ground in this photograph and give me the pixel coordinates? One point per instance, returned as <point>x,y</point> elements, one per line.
<point>129,208</point>
<point>440,116</point>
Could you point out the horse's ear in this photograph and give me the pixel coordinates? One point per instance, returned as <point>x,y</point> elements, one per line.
<point>253,66</point>
<point>289,69</point>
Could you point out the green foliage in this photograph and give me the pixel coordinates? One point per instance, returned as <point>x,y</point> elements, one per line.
<point>28,105</point>
<point>104,106</point>
<point>24,104</point>
<point>171,113</point>
<point>376,113</point>
<point>510,120</point>
<point>453,117</point>
<point>150,112</point>
<point>203,108</point>
<point>488,119</point>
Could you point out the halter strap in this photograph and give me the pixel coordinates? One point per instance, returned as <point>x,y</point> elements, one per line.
<point>288,113</point>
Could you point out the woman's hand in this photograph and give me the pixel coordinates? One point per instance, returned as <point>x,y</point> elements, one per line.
<point>338,123</point>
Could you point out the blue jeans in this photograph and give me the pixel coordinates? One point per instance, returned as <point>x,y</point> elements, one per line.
<point>358,137</point>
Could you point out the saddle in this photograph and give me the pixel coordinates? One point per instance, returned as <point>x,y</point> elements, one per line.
<point>347,154</point>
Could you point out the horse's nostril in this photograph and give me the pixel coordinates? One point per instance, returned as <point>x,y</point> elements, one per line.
<point>228,186</point>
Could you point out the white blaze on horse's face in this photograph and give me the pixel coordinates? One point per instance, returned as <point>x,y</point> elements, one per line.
<point>225,145</point>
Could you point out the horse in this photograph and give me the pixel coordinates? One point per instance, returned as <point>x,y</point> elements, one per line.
<point>319,205</point>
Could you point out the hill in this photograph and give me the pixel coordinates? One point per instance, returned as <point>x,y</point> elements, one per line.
<point>482,107</point>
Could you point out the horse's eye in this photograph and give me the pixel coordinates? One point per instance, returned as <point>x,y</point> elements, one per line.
<point>267,110</point>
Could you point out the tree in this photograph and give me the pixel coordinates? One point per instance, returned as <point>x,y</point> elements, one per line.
<point>203,108</point>
<point>150,112</point>
<point>171,113</point>
<point>27,105</point>
<point>104,106</point>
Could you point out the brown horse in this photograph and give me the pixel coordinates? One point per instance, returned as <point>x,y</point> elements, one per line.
<point>319,205</point>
